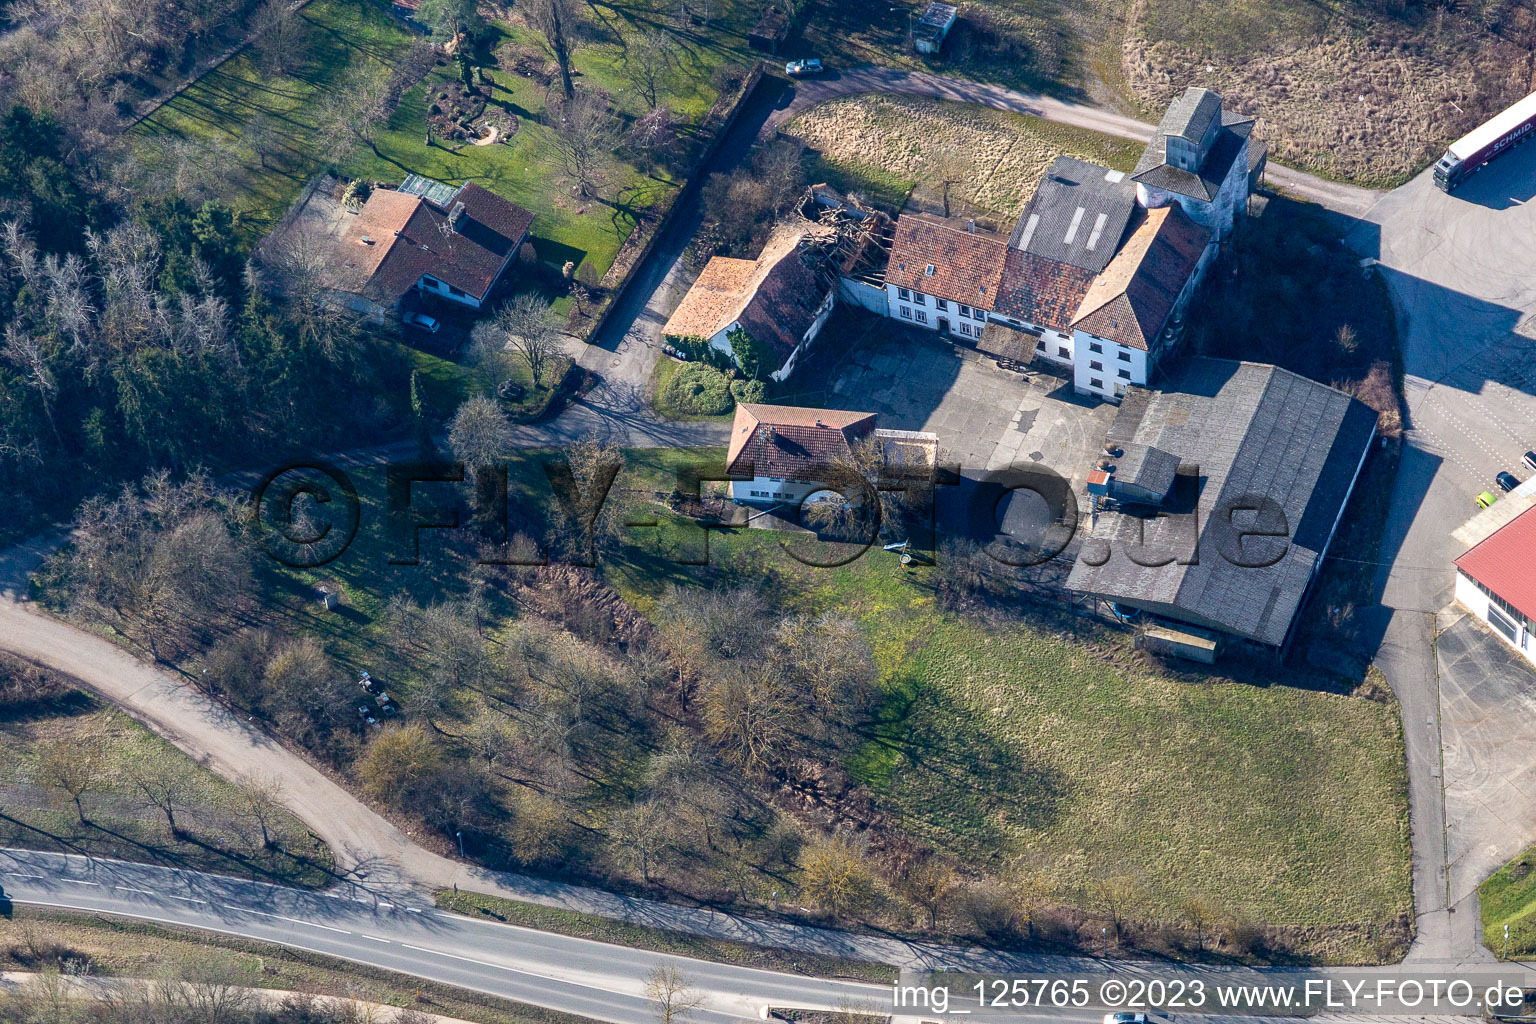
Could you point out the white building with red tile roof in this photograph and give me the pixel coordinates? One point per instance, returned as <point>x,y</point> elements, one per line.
<point>1496,581</point>
<point>777,299</point>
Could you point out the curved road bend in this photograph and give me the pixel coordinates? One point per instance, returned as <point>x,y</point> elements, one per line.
<point>371,853</point>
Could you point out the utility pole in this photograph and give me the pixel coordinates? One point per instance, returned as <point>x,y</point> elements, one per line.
<point>460,835</point>
<point>1505,955</point>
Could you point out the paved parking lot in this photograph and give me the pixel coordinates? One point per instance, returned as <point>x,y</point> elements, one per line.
<point>1460,267</point>
<point>986,418</point>
<point>1488,700</point>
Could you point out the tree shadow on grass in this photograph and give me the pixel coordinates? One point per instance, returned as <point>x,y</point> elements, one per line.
<point>931,765</point>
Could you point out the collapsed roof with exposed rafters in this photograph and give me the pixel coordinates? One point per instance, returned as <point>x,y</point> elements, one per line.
<point>937,257</point>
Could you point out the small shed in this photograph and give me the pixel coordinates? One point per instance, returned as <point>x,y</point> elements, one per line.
<point>771,30</point>
<point>1179,641</point>
<point>929,32</point>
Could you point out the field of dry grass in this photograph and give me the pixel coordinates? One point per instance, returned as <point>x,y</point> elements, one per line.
<point>1364,95</point>
<point>1002,155</point>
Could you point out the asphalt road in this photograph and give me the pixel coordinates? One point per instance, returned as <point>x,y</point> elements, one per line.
<point>401,933</point>
<point>398,933</point>
<point>1342,198</point>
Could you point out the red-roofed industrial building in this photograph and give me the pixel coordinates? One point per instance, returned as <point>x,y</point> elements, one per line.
<point>1496,581</point>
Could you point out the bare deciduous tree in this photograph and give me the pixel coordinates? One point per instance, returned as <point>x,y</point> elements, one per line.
<point>278,34</point>
<point>353,111</point>
<point>672,997</point>
<point>262,804</point>
<point>479,434</point>
<point>951,166</point>
<point>72,766</point>
<point>526,323</point>
<point>165,784</point>
<point>584,129</point>
<point>646,62</point>
<point>556,21</point>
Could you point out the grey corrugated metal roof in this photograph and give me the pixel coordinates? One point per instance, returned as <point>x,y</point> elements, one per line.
<point>1078,214</point>
<point>1142,465</point>
<point>1253,430</point>
<point>1153,169</point>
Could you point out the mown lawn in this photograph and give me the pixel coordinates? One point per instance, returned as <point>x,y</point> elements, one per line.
<point>1023,748</point>
<point>1508,898</point>
<point>222,106</point>
<point>219,834</point>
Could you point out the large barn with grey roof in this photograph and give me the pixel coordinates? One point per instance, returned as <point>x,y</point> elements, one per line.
<point>1267,461</point>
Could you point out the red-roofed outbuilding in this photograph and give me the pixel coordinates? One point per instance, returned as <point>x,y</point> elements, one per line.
<point>1496,581</point>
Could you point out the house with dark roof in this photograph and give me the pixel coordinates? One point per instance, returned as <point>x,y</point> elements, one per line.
<point>778,300</point>
<point>1067,234</point>
<point>1267,461</point>
<point>1496,581</point>
<point>787,450</point>
<point>943,275</point>
<point>1199,158</point>
<point>370,256</point>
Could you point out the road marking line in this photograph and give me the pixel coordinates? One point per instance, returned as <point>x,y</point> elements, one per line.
<point>280,917</point>
<point>187,899</point>
<point>468,960</point>
<point>12,874</point>
<point>129,888</point>
<point>79,881</point>
<point>375,938</point>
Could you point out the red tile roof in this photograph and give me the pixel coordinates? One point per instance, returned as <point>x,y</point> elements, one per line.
<point>1131,300</point>
<point>1505,563</point>
<point>773,297</point>
<point>790,442</point>
<point>966,264</point>
<point>1040,290</point>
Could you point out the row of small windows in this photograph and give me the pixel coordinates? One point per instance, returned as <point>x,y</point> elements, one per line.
<point>1098,349</point>
<point>916,297</point>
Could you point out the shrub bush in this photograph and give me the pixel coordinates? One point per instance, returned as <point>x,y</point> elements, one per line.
<point>750,391</point>
<point>697,389</point>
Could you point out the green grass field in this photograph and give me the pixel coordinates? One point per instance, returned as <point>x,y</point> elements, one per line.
<point>1508,898</point>
<point>222,105</point>
<point>1023,749</point>
<point>218,834</point>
